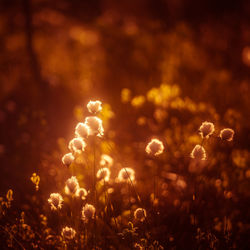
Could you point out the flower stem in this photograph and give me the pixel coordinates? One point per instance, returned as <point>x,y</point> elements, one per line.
<point>94,190</point>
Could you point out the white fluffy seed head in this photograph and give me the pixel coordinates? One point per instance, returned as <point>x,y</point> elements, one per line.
<point>140,214</point>
<point>155,147</point>
<point>68,233</point>
<point>82,130</point>
<point>88,212</point>
<point>71,186</point>
<point>55,200</point>
<point>206,129</point>
<point>94,106</point>
<point>198,153</point>
<point>227,134</point>
<point>125,174</point>
<point>67,159</point>
<point>106,161</point>
<point>81,193</point>
<point>95,125</point>
<point>77,145</point>
<point>103,174</point>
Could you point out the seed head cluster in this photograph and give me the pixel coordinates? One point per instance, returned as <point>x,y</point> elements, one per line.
<point>140,214</point>
<point>88,212</point>
<point>227,134</point>
<point>71,186</point>
<point>68,233</point>
<point>155,147</point>
<point>82,130</point>
<point>94,106</point>
<point>77,144</point>
<point>106,161</point>
<point>55,200</point>
<point>103,174</point>
<point>126,175</point>
<point>206,129</point>
<point>198,153</point>
<point>95,125</point>
<point>68,159</point>
<point>81,193</point>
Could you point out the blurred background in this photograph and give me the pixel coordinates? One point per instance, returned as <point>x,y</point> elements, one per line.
<point>160,68</point>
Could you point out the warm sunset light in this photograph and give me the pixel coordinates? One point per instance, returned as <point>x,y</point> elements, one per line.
<point>124,124</point>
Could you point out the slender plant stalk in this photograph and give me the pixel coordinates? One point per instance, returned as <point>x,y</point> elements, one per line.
<point>94,190</point>
<point>105,192</point>
<point>136,193</point>
<point>137,196</point>
<point>154,188</point>
<point>107,202</point>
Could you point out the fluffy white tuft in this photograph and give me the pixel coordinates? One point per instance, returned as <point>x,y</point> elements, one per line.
<point>125,174</point>
<point>206,129</point>
<point>77,145</point>
<point>67,159</point>
<point>88,212</point>
<point>103,174</point>
<point>95,125</point>
<point>140,214</point>
<point>82,130</point>
<point>55,200</point>
<point>71,186</point>
<point>198,153</point>
<point>94,106</point>
<point>155,147</point>
<point>68,233</point>
<point>81,193</point>
<point>106,161</point>
<point>227,134</point>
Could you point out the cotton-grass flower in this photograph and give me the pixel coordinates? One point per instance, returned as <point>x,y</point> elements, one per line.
<point>103,174</point>
<point>55,200</point>
<point>81,193</point>
<point>106,161</point>
<point>94,106</point>
<point>82,130</point>
<point>140,214</point>
<point>227,134</point>
<point>68,233</point>
<point>155,147</point>
<point>77,144</point>
<point>67,159</point>
<point>95,125</point>
<point>198,153</point>
<point>126,174</point>
<point>71,186</point>
<point>206,129</point>
<point>88,212</point>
